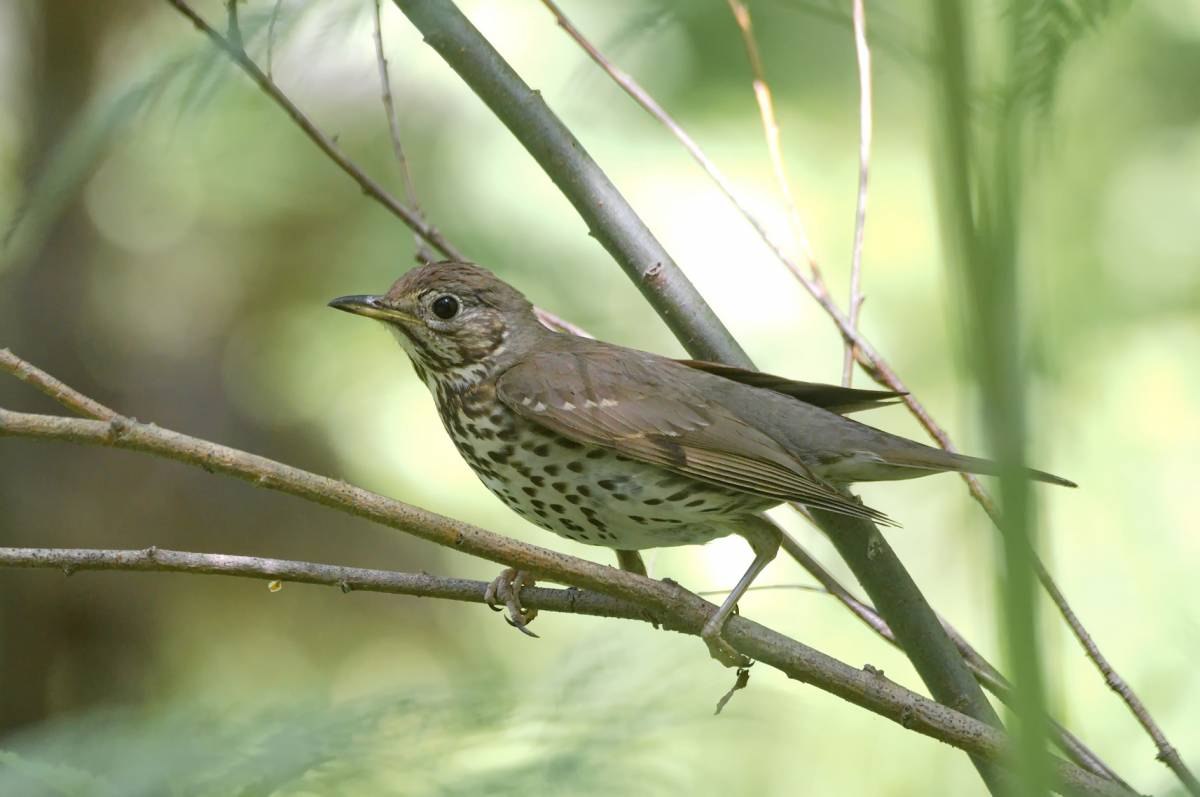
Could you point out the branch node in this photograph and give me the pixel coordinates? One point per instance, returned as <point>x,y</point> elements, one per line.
<point>345,587</point>
<point>117,427</point>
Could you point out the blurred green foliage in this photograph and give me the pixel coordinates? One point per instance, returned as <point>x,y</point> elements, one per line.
<point>177,241</point>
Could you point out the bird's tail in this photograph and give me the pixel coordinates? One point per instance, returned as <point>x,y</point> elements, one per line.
<point>926,458</point>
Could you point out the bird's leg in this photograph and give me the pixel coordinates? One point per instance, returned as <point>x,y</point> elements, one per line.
<point>506,588</point>
<point>764,537</point>
<point>631,561</point>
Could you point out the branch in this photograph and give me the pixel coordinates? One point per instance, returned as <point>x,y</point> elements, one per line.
<point>389,109</point>
<point>65,395</point>
<point>881,371</point>
<point>347,579</point>
<point>987,675</point>
<point>863,57</point>
<point>668,603</point>
<point>369,186</point>
<point>770,125</point>
<point>617,227</point>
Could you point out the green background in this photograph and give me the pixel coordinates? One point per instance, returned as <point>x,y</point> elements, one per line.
<point>178,239</point>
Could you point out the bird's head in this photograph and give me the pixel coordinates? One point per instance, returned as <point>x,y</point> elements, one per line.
<point>449,315</point>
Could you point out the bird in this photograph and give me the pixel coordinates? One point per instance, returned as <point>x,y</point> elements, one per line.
<point>616,447</point>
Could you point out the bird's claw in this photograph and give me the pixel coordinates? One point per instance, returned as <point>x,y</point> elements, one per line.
<point>721,650</point>
<point>506,588</point>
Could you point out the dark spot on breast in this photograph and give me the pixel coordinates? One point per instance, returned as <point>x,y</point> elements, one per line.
<point>607,484</point>
<point>538,481</point>
<point>551,470</point>
<point>542,450</point>
<point>575,466</point>
<point>501,456</point>
<point>679,495</point>
<point>538,504</point>
<point>596,453</point>
<point>560,487</point>
<point>529,491</point>
<point>652,501</point>
<point>558,509</point>
<point>573,500</point>
<point>571,444</point>
<point>695,503</point>
<point>584,491</point>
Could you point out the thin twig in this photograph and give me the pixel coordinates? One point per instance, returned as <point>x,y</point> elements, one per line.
<point>323,142</point>
<point>863,58</point>
<point>770,125</point>
<point>651,106</point>
<point>551,321</point>
<point>347,579</point>
<point>65,395</point>
<point>389,109</point>
<point>271,38</point>
<point>873,363</point>
<point>670,604</point>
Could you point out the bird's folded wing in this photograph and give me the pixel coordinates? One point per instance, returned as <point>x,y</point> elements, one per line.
<point>646,410</point>
<point>834,398</point>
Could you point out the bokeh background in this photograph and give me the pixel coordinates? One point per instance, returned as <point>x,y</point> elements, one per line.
<point>175,240</point>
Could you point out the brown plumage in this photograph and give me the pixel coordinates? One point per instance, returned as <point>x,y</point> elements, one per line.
<point>627,449</point>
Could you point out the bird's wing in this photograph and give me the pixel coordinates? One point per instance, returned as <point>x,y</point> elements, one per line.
<point>834,398</point>
<point>641,408</point>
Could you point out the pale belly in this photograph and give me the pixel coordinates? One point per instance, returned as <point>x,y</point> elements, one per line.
<point>593,495</point>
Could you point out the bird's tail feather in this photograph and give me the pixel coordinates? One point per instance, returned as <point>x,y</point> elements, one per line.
<point>935,459</point>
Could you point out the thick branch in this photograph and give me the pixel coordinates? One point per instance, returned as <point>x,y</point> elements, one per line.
<point>609,217</point>
<point>670,604</point>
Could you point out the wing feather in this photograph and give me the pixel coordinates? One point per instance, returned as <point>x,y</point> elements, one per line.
<point>640,406</point>
<point>834,398</point>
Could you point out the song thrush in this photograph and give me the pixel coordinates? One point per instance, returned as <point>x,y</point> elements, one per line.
<point>630,450</point>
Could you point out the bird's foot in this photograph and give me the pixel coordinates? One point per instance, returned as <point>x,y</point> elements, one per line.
<point>718,648</point>
<point>506,588</point>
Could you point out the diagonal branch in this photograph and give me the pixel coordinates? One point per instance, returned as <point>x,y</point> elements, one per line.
<point>368,185</point>
<point>988,676</point>
<point>863,58</point>
<point>770,125</point>
<point>881,371</point>
<point>389,109</point>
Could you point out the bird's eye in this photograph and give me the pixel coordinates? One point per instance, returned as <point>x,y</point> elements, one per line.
<point>445,307</point>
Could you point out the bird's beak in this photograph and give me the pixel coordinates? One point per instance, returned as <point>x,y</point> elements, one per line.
<point>371,307</point>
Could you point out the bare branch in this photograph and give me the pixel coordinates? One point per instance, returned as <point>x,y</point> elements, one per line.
<point>987,675</point>
<point>389,108</point>
<point>551,321</point>
<point>369,186</point>
<point>41,381</point>
<point>347,579</point>
<point>770,125</point>
<point>863,58</point>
